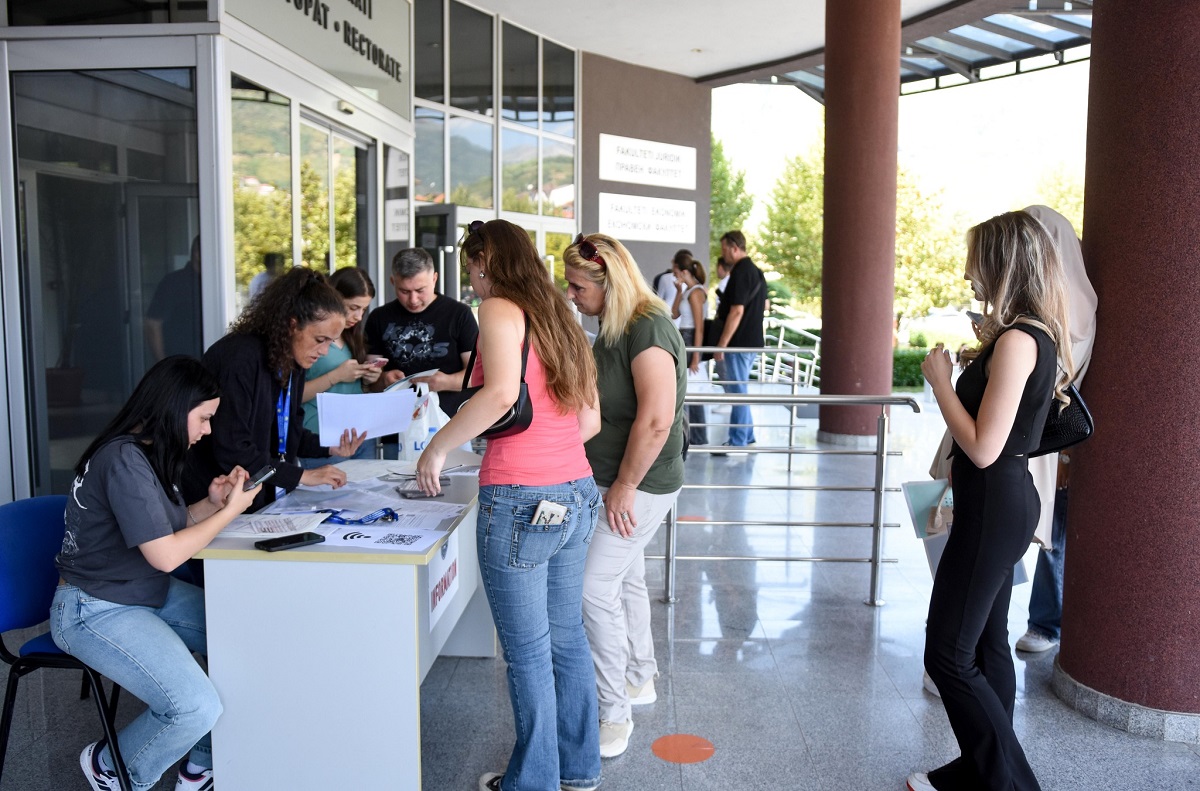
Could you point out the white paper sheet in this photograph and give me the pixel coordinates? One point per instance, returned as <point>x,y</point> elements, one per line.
<point>378,414</point>
<point>274,525</point>
<point>388,537</point>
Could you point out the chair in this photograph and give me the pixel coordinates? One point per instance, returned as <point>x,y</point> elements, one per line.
<point>31,534</point>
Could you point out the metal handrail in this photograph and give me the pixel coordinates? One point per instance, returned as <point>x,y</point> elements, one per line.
<point>878,488</point>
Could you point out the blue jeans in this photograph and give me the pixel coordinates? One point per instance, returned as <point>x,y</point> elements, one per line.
<point>1045,600</point>
<point>533,576</point>
<point>148,651</point>
<point>737,371</point>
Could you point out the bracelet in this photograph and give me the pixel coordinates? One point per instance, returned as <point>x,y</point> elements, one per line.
<point>192,516</point>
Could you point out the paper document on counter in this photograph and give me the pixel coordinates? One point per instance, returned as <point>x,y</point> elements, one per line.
<point>377,414</point>
<point>270,524</point>
<point>387,537</point>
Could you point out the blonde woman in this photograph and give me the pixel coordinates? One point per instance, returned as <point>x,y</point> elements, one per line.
<point>641,370</point>
<point>531,561</point>
<point>995,414</point>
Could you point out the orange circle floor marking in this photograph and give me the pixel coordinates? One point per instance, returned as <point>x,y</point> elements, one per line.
<point>683,748</point>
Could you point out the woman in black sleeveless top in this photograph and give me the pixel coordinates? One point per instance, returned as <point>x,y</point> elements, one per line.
<point>996,417</point>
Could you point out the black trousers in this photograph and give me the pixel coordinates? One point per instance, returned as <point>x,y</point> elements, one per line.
<point>698,433</point>
<point>966,645</point>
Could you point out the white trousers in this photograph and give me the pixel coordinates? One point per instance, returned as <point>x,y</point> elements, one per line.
<point>616,606</point>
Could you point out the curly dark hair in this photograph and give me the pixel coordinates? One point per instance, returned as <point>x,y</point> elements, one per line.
<point>299,295</point>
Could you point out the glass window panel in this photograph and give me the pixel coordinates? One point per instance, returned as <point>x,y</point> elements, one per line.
<point>349,199</point>
<point>105,12</point>
<point>558,89</point>
<point>428,48</point>
<point>953,50</point>
<point>429,177</point>
<point>66,150</point>
<point>556,243</point>
<point>519,77</point>
<point>470,59</point>
<point>262,181</point>
<point>314,198</point>
<point>471,163</point>
<point>518,171</point>
<point>988,37</point>
<point>558,178</point>
<point>1031,27</point>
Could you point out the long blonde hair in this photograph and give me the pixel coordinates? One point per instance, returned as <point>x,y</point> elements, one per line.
<point>516,273</point>
<point>627,295</point>
<point>1017,267</point>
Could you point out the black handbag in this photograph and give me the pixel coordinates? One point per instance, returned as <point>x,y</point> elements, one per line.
<point>520,414</point>
<point>1067,426</point>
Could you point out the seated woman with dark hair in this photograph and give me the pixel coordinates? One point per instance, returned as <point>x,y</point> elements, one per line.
<point>260,366</point>
<point>117,607</point>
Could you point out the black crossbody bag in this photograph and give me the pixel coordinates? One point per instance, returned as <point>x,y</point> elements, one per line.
<point>520,414</point>
<point>1067,426</point>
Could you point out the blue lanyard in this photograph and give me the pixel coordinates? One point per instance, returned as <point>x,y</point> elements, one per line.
<point>283,416</point>
<point>382,515</point>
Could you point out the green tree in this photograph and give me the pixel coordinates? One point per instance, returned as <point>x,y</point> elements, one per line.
<point>790,239</point>
<point>930,254</point>
<point>730,204</point>
<point>1062,190</point>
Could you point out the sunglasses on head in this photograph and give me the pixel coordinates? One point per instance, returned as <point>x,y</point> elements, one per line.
<point>475,227</point>
<point>588,251</point>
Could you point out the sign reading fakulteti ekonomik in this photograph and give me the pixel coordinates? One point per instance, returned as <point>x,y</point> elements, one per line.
<point>636,161</point>
<point>362,42</point>
<point>643,219</point>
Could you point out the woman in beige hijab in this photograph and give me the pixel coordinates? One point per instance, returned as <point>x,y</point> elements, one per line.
<point>1045,600</point>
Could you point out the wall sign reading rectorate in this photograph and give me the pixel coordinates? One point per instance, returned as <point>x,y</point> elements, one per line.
<point>363,42</point>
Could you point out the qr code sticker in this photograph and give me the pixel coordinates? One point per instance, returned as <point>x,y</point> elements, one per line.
<point>400,539</point>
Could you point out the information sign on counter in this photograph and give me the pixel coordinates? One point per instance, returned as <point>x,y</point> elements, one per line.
<point>443,578</point>
<point>648,162</point>
<point>639,218</point>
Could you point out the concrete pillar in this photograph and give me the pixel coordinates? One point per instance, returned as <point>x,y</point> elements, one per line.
<point>1131,621</point>
<point>862,86</point>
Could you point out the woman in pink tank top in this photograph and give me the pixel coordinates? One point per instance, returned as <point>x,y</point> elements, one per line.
<point>538,506</point>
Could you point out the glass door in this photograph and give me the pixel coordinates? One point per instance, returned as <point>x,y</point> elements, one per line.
<point>100,250</point>
<point>334,197</point>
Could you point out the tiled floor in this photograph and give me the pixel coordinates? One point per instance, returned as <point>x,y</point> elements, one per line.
<point>796,682</point>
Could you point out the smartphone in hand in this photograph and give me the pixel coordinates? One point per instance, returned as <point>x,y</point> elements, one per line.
<point>259,477</point>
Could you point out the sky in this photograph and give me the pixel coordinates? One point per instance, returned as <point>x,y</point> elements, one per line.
<point>984,146</point>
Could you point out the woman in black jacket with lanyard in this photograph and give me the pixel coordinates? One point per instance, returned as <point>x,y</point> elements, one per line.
<point>260,366</point>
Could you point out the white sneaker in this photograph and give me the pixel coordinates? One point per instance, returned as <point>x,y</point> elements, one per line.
<point>97,777</point>
<point>643,695</point>
<point>190,782</point>
<point>930,687</point>
<point>614,737</point>
<point>490,781</point>
<point>1034,642</point>
<point>919,781</point>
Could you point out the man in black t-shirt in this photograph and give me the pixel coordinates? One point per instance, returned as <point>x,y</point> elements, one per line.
<point>741,309</point>
<point>422,329</point>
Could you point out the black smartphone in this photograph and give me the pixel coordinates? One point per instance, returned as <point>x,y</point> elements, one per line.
<point>417,494</point>
<point>288,542</point>
<point>262,475</point>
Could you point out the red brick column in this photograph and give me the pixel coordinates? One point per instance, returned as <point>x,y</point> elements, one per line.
<point>862,84</point>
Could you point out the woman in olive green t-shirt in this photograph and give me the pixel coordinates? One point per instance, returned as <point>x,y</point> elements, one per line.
<point>636,459</point>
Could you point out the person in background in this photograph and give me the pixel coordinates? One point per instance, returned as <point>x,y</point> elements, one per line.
<point>741,309</point>
<point>538,506</point>
<point>664,282</point>
<point>421,329</point>
<point>260,366</point>
<point>272,265</point>
<point>995,414</point>
<point>117,607</point>
<point>641,370</point>
<point>1051,473</point>
<point>689,310</point>
<point>344,368</point>
<point>722,279</point>
<point>173,319</point>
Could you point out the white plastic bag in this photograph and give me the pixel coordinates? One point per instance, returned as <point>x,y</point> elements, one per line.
<point>414,438</point>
